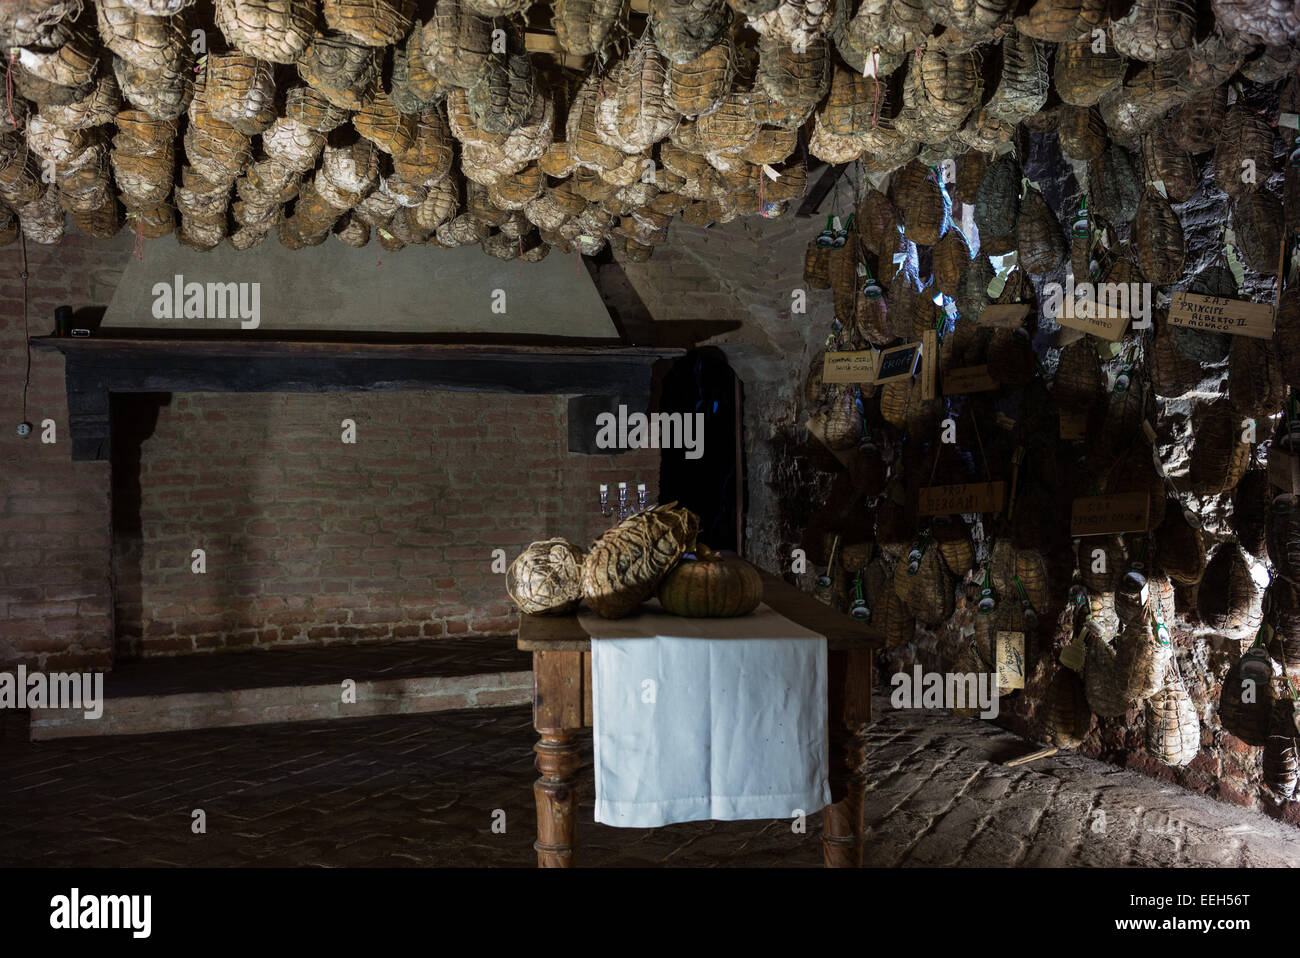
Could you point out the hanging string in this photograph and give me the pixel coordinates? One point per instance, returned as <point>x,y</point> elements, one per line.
<point>979,442</point>
<point>875,69</point>
<point>138,249</point>
<point>937,452</point>
<point>9,87</point>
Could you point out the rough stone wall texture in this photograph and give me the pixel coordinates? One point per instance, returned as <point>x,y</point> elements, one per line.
<point>310,540</point>
<point>746,271</point>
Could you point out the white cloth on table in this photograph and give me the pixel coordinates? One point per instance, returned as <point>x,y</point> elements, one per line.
<point>707,718</point>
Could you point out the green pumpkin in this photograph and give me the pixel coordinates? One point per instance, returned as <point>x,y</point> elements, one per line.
<point>708,585</point>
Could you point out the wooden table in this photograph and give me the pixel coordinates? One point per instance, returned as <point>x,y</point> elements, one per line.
<point>562,705</point>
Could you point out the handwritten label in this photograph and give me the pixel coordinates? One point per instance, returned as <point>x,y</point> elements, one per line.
<point>854,367</point>
<point>1010,657</point>
<point>959,499</point>
<point>1221,315</point>
<point>1097,515</point>
<point>968,379</point>
<point>1097,317</point>
<point>1074,425</point>
<point>897,363</point>
<point>1004,315</point>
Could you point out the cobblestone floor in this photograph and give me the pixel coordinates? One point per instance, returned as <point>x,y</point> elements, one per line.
<point>422,790</point>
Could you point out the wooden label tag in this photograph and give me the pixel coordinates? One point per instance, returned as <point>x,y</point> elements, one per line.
<point>854,367</point>
<point>1004,315</point>
<point>969,379</point>
<point>929,360</point>
<point>1011,660</point>
<point>1074,425</point>
<point>897,363</point>
<point>1282,469</point>
<point>1074,654</point>
<point>955,500</point>
<point>1097,515</point>
<point>1097,318</point>
<point>1221,315</point>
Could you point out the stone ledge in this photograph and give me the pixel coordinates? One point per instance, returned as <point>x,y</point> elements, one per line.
<point>139,715</point>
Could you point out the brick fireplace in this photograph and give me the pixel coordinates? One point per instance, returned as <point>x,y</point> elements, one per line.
<point>239,449</point>
<point>312,541</point>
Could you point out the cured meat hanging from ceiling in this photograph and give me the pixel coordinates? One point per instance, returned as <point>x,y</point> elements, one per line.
<point>585,123</point>
<point>1060,375</point>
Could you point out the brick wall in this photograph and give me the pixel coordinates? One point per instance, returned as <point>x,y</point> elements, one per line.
<point>55,599</point>
<point>55,559</point>
<point>309,540</point>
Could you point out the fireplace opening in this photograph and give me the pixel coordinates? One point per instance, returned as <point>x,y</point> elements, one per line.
<point>712,485</point>
<point>274,520</point>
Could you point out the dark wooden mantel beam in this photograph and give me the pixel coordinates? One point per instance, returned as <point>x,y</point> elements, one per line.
<point>97,367</point>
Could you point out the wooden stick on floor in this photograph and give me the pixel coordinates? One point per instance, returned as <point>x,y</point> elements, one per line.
<point>1031,757</point>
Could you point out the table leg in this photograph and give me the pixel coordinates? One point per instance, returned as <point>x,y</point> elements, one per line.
<point>849,712</point>
<point>842,823</point>
<point>556,793</point>
<point>557,714</point>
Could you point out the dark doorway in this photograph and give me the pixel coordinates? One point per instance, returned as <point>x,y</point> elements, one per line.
<point>711,486</point>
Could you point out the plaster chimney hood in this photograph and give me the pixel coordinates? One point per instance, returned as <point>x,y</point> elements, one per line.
<point>333,288</point>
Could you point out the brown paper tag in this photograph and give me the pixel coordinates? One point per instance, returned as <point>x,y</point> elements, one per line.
<point>1221,315</point>
<point>963,498</point>
<point>1102,320</point>
<point>1011,660</point>
<point>1072,656</point>
<point>1004,315</point>
<point>1096,515</point>
<point>850,367</point>
<point>968,379</point>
